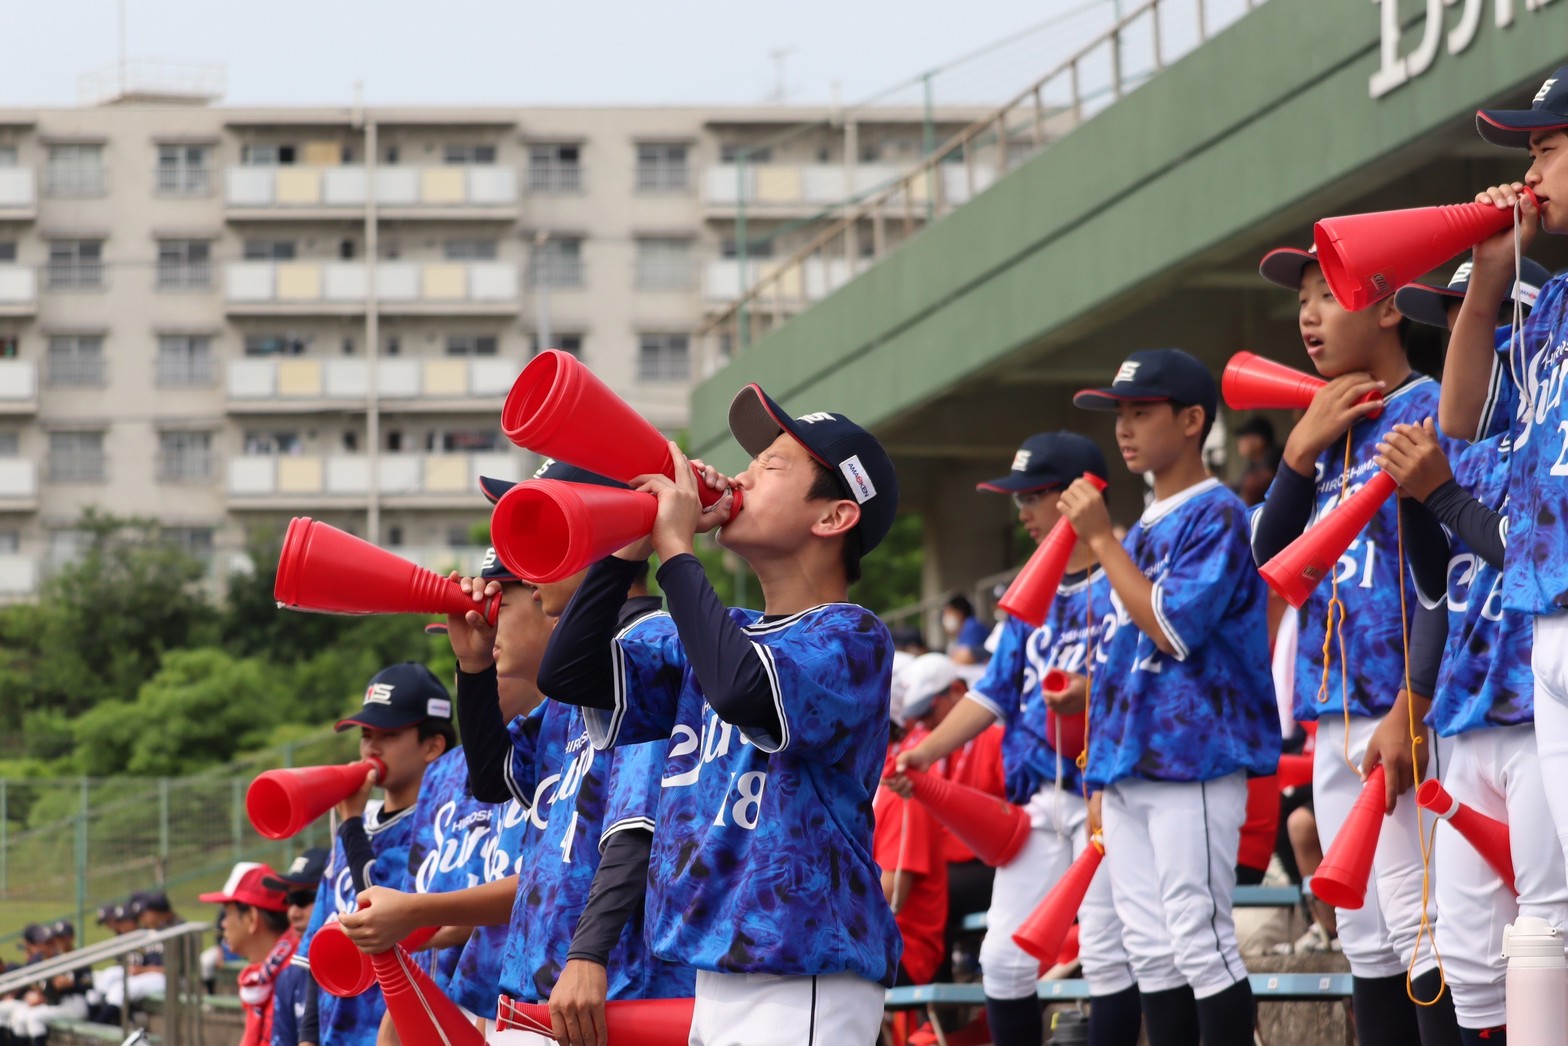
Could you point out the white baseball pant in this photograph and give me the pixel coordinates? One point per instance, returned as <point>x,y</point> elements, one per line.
<point>1550,662</point>
<point>757,1009</point>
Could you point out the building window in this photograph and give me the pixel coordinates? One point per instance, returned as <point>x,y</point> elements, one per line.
<point>74,264</point>
<point>754,248</point>
<point>663,357</point>
<point>76,359</point>
<point>754,153</point>
<point>559,263</point>
<point>269,250</point>
<point>267,155</point>
<point>76,457</point>
<point>10,443</point>
<point>8,156</point>
<point>568,343</point>
<point>185,457</point>
<point>274,345</point>
<point>471,344</point>
<point>664,263</point>
<point>184,265</point>
<point>662,167</point>
<point>7,252</point>
<point>469,250</point>
<point>555,168</point>
<point>185,361</point>
<point>468,154</point>
<point>75,171</point>
<point>267,443</point>
<point>10,542</point>
<point>183,170</point>
<point>10,346</point>
<point>195,542</point>
<point>466,441</point>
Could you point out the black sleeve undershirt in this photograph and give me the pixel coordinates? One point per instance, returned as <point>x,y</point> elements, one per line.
<point>310,1023</point>
<point>619,886</point>
<point>577,667</point>
<point>1481,529</point>
<point>486,746</point>
<point>1428,636</point>
<point>1285,514</point>
<point>358,851</point>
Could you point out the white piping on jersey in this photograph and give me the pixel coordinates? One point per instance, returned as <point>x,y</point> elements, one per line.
<point>1406,387</point>
<point>771,669</point>
<point>618,678</point>
<point>1158,510</point>
<point>524,801</point>
<point>1073,587</point>
<point>762,627</point>
<point>979,698</point>
<point>1179,651</point>
<point>373,823</point>
<point>1494,389</point>
<point>625,824</point>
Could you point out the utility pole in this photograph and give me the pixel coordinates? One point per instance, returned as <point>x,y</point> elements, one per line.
<point>372,326</point>
<point>541,290</point>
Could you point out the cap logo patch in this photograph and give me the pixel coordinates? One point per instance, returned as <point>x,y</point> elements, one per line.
<point>489,560</point>
<point>1126,373</point>
<point>859,483</point>
<point>438,708</point>
<point>1461,274</point>
<point>543,466</point>
<point>1540,96</point>
<point>378,694</point>
<point>298,866</point>
<point>813,418</point>
<point>1525,294</point>
<point>1021,460</point>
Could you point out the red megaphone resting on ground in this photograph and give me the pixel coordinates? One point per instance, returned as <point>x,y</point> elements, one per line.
<point>325,570</point>
<point>1488,835</point>
<point>1298,568</point>
<point>640,1022</point>
<point>282,802</point>
<point>547,530</point>
<point>1251,382</point>
<point>1367,257</point>
<point>1030,595</point>
<point>559,408</point>
<point>342,969</point>
<point>420,1012</point>
<point>1044,932</point>
<point>1341,880</point>
<point>989,825</point>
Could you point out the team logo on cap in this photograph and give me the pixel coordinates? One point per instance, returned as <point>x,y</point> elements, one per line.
<point>438,708</point>
<point>1540,96</point>
<point>540,471</point>
<point>1127,372</point>
<point>812,419</point>
<point>859,483</point>
<point>378,694</point>
<point>489,560</point>
<point>1021,460</point>
<point>1461,274</point>
<point>299,865</point>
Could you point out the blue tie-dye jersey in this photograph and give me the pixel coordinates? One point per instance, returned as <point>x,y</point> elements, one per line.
<point>1010,688</point>
<point>477,981</point>
<point>1207,709</point>
<point>1486,679</point>
<point>450,828</point>
<point>1369,576</point>
<point>762,859</point>
<point>356,1021</point>
<point>576,798</point>
<point>1535,571</point>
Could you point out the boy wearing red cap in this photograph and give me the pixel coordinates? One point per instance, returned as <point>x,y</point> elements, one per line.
<point>256,927</point>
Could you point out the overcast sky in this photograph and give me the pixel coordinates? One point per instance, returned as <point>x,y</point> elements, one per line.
<point>522,52</point>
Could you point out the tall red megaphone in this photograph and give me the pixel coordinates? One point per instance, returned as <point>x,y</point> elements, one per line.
<point>420,1012</point>
<point>1251,382</point>
<point>1341,880</point>
<point>325,570</point>
<point>1030,595</point>
<point>1298,568</point>
<point>639,1022</point>
<point>282,802</point>
<point>1488,835</point>
<point>547,530</point>
<point>1367,257</point>
<point>989,825</point>
<point>559,408</point>
<point>1045,931</point>
<point>342,969</point>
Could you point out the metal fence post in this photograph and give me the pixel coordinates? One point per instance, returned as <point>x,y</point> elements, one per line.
<point>81,860</point>
<point>163,830</point>
<point>237,813</point>
<point>5,833</point>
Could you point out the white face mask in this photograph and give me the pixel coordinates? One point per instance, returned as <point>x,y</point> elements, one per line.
<point>952,621</point>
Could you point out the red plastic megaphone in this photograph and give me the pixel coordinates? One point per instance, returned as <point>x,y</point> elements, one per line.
<point>559,408</point>
<point>325,570</point>
<point>1251,382</point>
<point>1295,770</point>
<point>1296,571</point>
<point>989,825</point>
<point>282,802</point>
<point>1030,595</point>
<point>1341,880</point>
<point>342,969</point>
<point>420,1012</point>
<point>1045,931</point>
<point>547,530</point>
<point>1488,835</point>
<point>641,1022</point>
<point>1367,257</point>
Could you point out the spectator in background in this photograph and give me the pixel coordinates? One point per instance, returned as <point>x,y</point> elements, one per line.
<point>148,910</point>
<point>299,885</point>
<point>256,928</point>
<point>908,640</point>
<point>1260,455</point>
<point>966,636</point>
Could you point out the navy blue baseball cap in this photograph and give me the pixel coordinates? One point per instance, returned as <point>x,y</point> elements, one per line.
<point>304,874</point>
<point>1283,266</point>
<point>110,913</point>
<point>1049,459</point>
<point>854,456</point>
<point>35,933</point>
<point>1427,304</point>
<point>400,696</point>
<point>147,901</point>
<point>1155,376</point>
<point>62,928</point>
<point>551,469</point>
<point>1511,128</point>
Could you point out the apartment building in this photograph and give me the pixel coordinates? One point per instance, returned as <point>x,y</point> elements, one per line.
<point>221,318</point>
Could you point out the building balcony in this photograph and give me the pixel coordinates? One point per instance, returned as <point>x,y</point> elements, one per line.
<point>264,288</point>
<point>18,485</point>
<point>296,385</point>
<point>18,290</point>
<point>790,189</point>
<point>18,576</point>
<point>18,194</point>
<point>18,387</point>
<point>76,183</point>
<point>458,192</point>
<point>810,281</point>
<point>343,480</point>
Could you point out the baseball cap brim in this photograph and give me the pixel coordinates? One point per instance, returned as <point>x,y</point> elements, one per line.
<point>284,883</point>
<point>756,421</point>
<point>379,717</point>
<point>1019,483</point>
<point>1107,399</point>
<point>1425,303</point>
<point>493,488</point>
<point>1511,128</point>
<point>1284,265</point>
